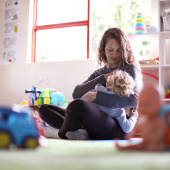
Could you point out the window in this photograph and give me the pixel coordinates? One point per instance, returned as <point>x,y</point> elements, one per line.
<point>60,30</point>
<point>110,13</point>
<point>71,29</point>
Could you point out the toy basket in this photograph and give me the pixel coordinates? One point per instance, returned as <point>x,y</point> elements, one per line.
<point>166,21</point>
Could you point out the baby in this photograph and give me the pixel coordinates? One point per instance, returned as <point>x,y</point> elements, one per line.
<point>121,84</point>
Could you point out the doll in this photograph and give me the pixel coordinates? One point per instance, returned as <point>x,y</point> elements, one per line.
<point>152,126</point>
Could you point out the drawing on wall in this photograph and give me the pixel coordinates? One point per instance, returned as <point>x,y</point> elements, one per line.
<point>10,33</point>
<point>9,56</point>
<point>10,28</point>
<point>10,41</point>
<point>11,3</point>
<point>11,14</point>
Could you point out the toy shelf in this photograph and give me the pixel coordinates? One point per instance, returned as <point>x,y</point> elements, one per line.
<point>150,67</point>
<point>165,67</point>
<point>160,40</point>
<point>166,100</point>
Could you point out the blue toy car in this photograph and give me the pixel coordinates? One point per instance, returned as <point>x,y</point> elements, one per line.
<point>18,127</point>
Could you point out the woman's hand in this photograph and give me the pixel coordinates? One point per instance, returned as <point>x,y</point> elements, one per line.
<point>90,96</point>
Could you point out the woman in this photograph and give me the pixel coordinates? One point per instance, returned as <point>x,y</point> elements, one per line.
<point>115,53</point>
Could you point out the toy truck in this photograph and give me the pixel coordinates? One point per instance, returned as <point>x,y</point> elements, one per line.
<point>18,128</point>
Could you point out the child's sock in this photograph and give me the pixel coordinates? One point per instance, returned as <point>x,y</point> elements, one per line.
<point>50,132</point>
<point>77,135</point>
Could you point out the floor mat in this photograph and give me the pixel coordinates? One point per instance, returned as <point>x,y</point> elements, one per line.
<point>82,155</point>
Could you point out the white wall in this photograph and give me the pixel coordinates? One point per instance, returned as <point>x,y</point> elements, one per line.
<point>15,78</point>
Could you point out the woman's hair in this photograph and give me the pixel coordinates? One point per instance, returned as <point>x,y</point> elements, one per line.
<point>121,83</point>
<point>127,55</point>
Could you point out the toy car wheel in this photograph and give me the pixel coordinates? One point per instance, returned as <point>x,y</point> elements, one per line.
<point>5,139</point>
<point>30,142</point>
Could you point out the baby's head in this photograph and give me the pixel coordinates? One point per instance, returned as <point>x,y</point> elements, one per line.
<point>121,83</point>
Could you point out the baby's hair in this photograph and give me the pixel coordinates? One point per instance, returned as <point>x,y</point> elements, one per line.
<point>121,83</point>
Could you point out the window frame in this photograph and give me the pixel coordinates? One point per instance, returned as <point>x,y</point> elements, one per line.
<point>55,26</point>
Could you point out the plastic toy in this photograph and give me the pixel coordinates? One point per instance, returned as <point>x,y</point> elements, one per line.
<point>45,96</point>
<point>57,99</point>
<point>24,102</point>
<point>41,99</point>
<point>33,94</point>
<point>151,75</point>
<point>19,128</point>
<point>39,122</point>
<point>139,26</point>
<point>168,92</point>
<point>154,128</point>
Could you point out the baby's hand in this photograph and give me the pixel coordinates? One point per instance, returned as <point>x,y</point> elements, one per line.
<point>134,113</point>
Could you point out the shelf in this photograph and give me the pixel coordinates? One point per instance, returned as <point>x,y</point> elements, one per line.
<point>165,35</point>
<point>150,67</point>
<point>166,67</point>
<point>149,34</point>
<point>160,46</point>
<point>165,32</point>
<point>166,100</point>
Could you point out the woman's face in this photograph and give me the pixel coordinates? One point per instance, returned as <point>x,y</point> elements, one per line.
<point>113,53</point>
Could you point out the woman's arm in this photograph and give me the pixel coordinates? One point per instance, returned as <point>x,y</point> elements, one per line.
<point>112,100</point>
<point>91,96</point>
<point>89,84</point>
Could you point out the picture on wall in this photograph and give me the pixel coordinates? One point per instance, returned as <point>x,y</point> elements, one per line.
<point>10,32</point>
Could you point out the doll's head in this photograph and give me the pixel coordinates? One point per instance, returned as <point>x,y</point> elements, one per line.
<point>149,101</point>
<point>121,83</point>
